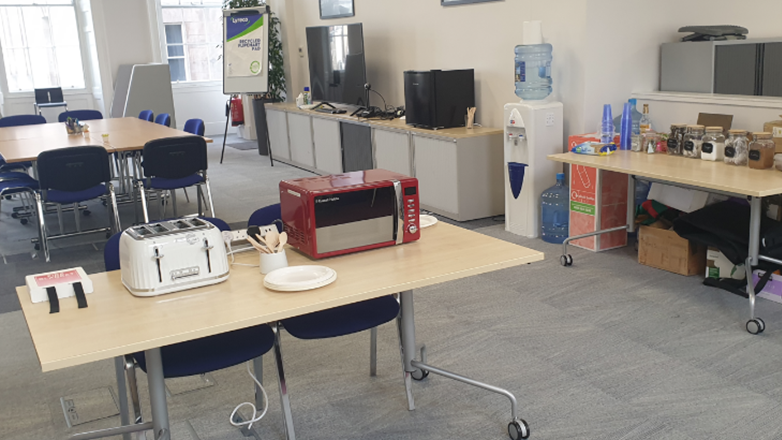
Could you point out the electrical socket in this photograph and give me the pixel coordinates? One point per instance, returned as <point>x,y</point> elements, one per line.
<point>301,51</point>
<point>550,119</point>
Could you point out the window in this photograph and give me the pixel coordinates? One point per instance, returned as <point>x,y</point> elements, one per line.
<point>193,32</point>
<point>40,44</point>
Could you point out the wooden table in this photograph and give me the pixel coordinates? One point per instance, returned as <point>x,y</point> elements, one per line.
<point>717,177</point>
<point>24,143</point>
<point>101,331</point>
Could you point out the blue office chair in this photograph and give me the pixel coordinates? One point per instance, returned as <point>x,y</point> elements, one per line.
<point>69,176</point>
<point>195,126</point>
<point>18,120</point>
<point>198,356</point>
<point>82,115</point>
<point>146,115</point>
<point>163,119</point>
<point>174,163</point>
<point>339,321</point>
<point>19,184</point>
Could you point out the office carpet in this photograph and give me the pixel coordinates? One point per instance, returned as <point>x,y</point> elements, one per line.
<point>606,349</point>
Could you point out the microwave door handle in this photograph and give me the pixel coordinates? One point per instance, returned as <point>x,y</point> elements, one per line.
<point>399,220</point>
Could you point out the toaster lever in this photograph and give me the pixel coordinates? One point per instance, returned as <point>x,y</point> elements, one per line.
<point>207,247</point>
<point>158,256</point>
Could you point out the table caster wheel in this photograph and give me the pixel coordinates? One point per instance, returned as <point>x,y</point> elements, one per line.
<point>87,212</point>
<point>37,247</point>
<point>23,221</point>
<point>419,374</point>
<point>756,326</point>
<point>518,429</point>
<point>566,260</point>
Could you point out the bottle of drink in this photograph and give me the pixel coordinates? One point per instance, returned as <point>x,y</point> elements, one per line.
<point>307,96</point>
<point>533,64</point>
<point>645,124</point>
<point>556,212</point>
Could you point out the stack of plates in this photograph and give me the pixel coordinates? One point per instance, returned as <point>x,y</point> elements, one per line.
<point>299,278</point>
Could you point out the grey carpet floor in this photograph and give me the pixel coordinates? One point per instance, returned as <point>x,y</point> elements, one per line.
<point>606,349</point>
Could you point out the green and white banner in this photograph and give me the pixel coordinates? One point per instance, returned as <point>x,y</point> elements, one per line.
<point>244,44</point>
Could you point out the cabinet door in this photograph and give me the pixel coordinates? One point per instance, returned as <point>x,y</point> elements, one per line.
<point>735,68</point>
<point>392,151</point>
<point>436,171</point>
<point>772,69</point>
<point>328,145</point>
<point>278,133</point>
<point>356,147</point>
<point>300,135</point>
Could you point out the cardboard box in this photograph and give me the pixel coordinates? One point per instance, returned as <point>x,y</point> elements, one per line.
<point>664,249</point>
<point>773,288</point>
<point>775,128</point>
<point>718,266</point>
<point>598,199</point>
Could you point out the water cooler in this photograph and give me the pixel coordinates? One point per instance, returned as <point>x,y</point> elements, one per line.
<point>533,130</point>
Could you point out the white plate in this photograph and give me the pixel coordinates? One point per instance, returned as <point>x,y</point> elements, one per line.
<point>426,220</point>
<point>296,278</point>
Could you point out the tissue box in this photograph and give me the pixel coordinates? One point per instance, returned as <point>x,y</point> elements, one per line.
<point>718,266</point>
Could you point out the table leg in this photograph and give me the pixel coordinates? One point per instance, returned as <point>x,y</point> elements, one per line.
<point>122,394</point>
<point>754,325</point>
<point>630,203</point>
<point>157,394</point>
<point>407,339</point>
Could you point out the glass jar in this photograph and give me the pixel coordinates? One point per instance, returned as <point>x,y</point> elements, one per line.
<point>713,147</point>
<point>675,139</point>
<point>736,147</point>
<point>649,142</point>
<point>761,151</point>
<point>693,138</point>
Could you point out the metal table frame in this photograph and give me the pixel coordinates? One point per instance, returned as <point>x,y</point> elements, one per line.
<point>754,325</point>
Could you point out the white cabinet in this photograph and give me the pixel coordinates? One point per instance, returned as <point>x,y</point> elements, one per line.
<point>393,151</point>
<point>328,145</point>
<point>300,135</point>
<point>278,134</point>
<point>436,170</point>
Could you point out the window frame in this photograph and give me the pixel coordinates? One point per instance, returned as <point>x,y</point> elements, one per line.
<point>158,7</point>
<point>4,90</point>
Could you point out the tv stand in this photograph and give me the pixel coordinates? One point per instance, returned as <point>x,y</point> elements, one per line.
<point>331,110</point>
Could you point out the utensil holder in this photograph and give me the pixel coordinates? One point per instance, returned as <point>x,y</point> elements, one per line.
<point>270,262</point>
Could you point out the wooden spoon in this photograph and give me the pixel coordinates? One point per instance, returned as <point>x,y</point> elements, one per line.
<point>272,238</point>
<point>258,246</point>
<point>283,240</point>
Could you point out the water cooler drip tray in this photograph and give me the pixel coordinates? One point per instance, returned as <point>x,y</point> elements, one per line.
<point>516,177</point>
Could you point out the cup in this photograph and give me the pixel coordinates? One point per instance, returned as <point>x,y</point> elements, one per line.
<point>105,138</point>
<point>270,262</point>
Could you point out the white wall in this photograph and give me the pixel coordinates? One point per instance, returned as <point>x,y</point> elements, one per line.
<point>603,49</point>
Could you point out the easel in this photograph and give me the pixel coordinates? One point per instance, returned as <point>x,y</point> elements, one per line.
<point>225,135</point>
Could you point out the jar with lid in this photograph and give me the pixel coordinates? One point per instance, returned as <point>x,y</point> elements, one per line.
<point>713,147</point>
<point>736,147</point>
<point>649,140</point>
<point>675,139</point>
<point>693,139</point>
<point>761,151</point>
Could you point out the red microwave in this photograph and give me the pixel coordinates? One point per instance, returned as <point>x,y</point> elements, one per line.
<point>351,212</point>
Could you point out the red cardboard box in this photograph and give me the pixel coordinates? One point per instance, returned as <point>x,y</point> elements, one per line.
<point>598,199</point>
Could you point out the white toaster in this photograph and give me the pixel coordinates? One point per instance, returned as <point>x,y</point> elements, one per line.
<point>170,256</point>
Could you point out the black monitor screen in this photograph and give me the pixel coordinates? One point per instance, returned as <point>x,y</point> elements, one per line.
<point>337,67</point>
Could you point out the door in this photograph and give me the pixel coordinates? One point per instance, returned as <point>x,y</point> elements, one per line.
<point>328,145</point>
<point>278,133</point>
<point>436,171</point>
<point>300,135</point>
<point>392,151</point>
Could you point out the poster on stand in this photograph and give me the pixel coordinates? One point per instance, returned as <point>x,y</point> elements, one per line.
<point>244,45</point>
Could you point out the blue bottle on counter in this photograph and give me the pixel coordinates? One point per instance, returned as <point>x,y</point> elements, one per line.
<point>533,64</point>
<point>555,208</point>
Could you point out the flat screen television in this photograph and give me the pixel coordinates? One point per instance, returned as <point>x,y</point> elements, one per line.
<point>337,66</point>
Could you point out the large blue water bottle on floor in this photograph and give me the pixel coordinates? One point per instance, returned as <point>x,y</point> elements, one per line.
<point>533,64</point>
<point>556,212</point>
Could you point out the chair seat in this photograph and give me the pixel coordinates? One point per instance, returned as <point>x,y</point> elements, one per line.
<point>14,186</point>
<point>343,320</point>
<point>16,175</point>
<point>184,182</point>
<point>214,352</point>
<point>57,196</point>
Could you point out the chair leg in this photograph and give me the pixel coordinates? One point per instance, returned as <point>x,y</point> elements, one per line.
<point>59,217</point>
<point>114,210</point>
<point>186,196</point>
<point>143,195</point>
<point>42,238</point>
<point>199,196</point>
<point>130,372</point>
<point>209,196</point>
<point>76,217</point>
<point>284,400</point>
<point>258,370</point>
<point>373,352</point>
<point>173,201</point>
<point>162,199</point>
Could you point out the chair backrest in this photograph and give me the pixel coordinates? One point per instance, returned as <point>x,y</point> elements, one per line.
<point>82,115</point>
<point>146,115</point>
<point>163,119</point>
<point>73,168</point>
<point>267,216</point>
<point>195,126</point>
<point>49,95</point>
<point>175,157</point>
<point>17,120</point>
<point>111,250</point>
